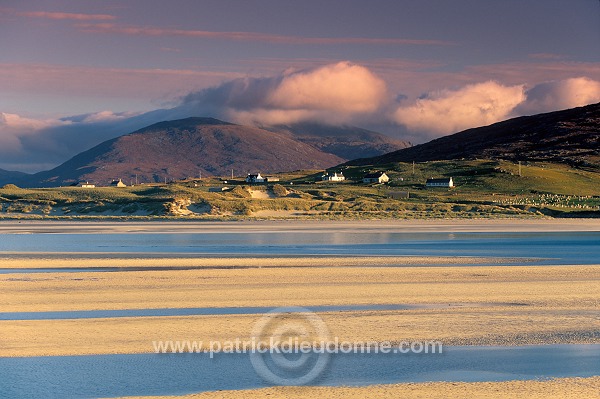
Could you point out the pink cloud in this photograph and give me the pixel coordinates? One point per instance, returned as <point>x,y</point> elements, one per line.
<point>334,93</point>
<point>415,81</point>
<point>248,36</point>
<point>341,92</point>
<point>341,87</point>
<point>107,116</point>
<point>448,111</point>
<point>68,16</point>
<point>563,94</point>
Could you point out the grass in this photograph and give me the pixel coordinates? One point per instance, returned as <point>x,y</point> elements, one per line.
<point>484,188</point>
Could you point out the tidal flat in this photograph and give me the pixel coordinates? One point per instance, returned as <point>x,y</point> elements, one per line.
<point>458,300</point>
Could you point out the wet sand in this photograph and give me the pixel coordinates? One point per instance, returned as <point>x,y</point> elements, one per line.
<point>164,261</point>
<point>563,388</point>
<point>445,225</point>
<point>486,305</point>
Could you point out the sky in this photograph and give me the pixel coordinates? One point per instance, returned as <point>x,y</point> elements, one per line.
<point>75,73</point>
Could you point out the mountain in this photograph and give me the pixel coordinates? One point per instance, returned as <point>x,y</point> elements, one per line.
<point>11,177</point>
<point>346,142</point>
<point>571,136</point>
<point>185,148</point>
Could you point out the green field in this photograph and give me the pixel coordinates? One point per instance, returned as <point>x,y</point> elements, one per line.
<point>484,188</point>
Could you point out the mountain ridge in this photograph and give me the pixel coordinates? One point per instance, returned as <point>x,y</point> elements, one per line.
<point>569,136</point>
<point>172,150</point>
<point>345,141</point>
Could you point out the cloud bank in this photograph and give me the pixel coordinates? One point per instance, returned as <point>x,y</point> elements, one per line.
<point>14,128</point>
<point>448,111</point>
<point>563,94</point>
<point>338,93</point>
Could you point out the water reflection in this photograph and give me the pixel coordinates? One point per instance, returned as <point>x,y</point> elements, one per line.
<point>564,248</point>
<point>176,374</point>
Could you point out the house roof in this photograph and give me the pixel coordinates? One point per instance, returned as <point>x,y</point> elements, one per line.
<point>374,175</point>
<point>443,180</point>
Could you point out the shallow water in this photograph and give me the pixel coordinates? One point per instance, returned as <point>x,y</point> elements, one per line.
<point>156,374</point>
<point>96,314</point>
<point>556,248</point>
<point>152,374</point>
<point>61,270</point>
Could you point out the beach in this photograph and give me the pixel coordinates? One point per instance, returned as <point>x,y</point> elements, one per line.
<point>474,305</point>
<point>455,300</point>
<point>564,388</point>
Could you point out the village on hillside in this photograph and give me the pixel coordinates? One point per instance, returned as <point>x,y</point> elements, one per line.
<point>438,189</point>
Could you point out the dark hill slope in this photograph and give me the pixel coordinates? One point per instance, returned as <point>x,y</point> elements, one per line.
<point>11,177</point>
<point>571,136</point>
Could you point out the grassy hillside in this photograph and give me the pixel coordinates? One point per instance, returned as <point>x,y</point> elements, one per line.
<point>484,188</point>
<point>486,176</point>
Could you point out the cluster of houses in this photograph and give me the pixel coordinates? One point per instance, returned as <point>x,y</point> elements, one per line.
<point>381,178</point>
<point>377,177</point>
<point>114,183</point>
<point>333,176</point>
<point>257,178</point>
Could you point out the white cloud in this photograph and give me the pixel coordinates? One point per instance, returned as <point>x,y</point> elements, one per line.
<point>562,94</point>
<point>107,116</point>
<point>14,121</point>
<point>333,93</point>
<point>450,111</point>
<point>341,87</point>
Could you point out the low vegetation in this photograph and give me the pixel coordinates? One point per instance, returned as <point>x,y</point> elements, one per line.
<point>484,188</point>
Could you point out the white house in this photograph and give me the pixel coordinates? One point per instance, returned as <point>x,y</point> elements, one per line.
<point>257,178</point>
<point>118,183</point>
<point>376,177</point>
<point>87,185</point>
<point>445,182</point>
<point>335,176</point>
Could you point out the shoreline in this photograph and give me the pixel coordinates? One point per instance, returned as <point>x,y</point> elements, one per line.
<point>78,260</point>
<point>248,226</point>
